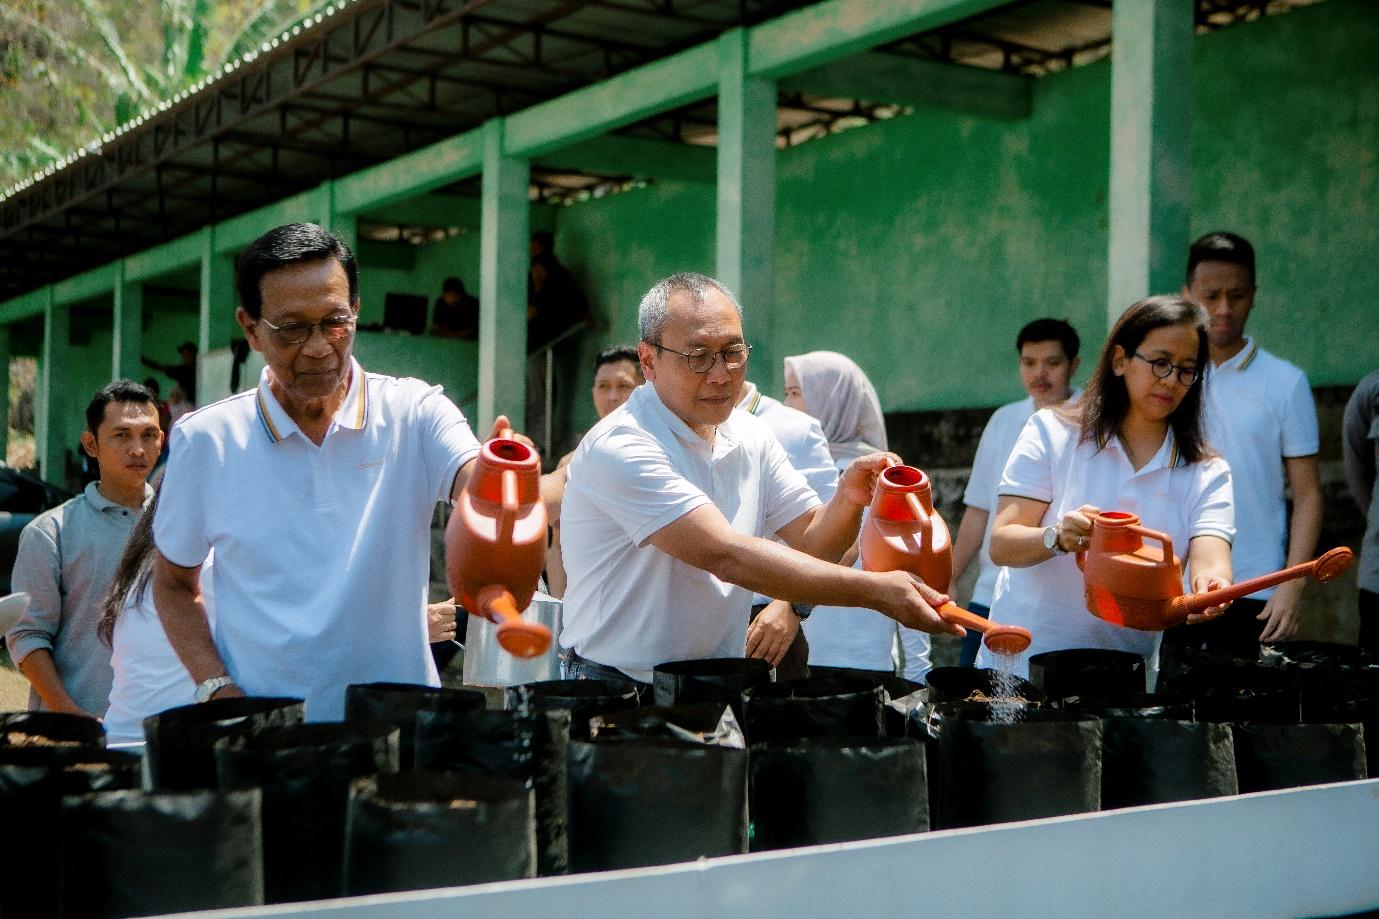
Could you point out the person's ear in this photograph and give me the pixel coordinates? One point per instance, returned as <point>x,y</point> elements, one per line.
<point>88,443</point>
<point>250,327</point>
<point>646,356</point>
<point>1118,361</point>
<point>1072,367</point>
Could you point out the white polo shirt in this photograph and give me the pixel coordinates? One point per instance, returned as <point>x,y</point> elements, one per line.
<point>1049,463</point>
<point>321,553</point>
<point>628,604</point>
<point>1259,410</point>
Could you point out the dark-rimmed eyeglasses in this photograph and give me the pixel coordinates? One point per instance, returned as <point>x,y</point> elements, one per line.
<point>333,328</point>
<point>701,360</point>
<point>1162,368</point>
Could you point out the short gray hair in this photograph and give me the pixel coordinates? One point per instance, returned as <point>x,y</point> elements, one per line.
<point>655,306</point>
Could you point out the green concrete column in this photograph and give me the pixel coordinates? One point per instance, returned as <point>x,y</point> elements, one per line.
<point>1151,149</point>
<point>503,261</point>
<point>746,215</point>
<point>345,226</point>
<point>4,393</point>
<point>218,326</point>
<point>51,422</point>
<point>128,328</point>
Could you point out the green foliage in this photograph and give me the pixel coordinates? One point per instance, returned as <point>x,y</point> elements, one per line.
<point>72,70</point>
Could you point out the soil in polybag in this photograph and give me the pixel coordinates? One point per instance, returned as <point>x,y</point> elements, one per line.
<point>305,771</point>
<point>1271,756</point>
<point>1045,765</point>
<point>816,790</point>
<point>583,698</point>
<point>132,853</point>
<point>398,703</point>
<point>418,830</point>
<point>817,707</point>
<point>715,679</point>
<point>981,684</point>
<point>33,781</point>
<point>528,746</point>
<point>705,722</point>
<point>1087,671</point>
<point>638,801</point>
<point>180,742</point>
<point>49,729</point>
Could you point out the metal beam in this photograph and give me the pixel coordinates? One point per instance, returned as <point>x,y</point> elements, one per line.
<point>635,156</point>
<point>503,263</point>
<point>901,80</point>
<point>1151,150</point>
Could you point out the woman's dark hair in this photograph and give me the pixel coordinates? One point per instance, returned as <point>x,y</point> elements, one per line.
<point>1104,405</point>
<point>132,575</point>
<point>287,245</point>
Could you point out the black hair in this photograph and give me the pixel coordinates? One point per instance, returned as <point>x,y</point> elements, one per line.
<point>617,353</point>
<point>1221,247</point>
<point>452,285</point>
<point>1047,329</point>
<point>287,245</point>
<point>132,575</point>
<point>118,391</point>
<point>1106,402</point>
<point>545,239</point>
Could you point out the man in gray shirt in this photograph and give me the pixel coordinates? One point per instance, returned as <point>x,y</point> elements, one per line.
<point>1361,447</point>
<point>67,556</point>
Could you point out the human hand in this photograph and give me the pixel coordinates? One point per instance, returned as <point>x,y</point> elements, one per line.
<point>1201,584</point>
<point>770,634</point>
<point>859,479</point>
<point>1075,528</point>
<point>503,428</point>
<point>1282,613</point>
<point>914,604</point>
<point>441,621</point>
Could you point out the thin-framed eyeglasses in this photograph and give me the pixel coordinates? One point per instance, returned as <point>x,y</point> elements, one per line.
<point>1162,367</point>
<point>701,360</point>
<point>333,328</point>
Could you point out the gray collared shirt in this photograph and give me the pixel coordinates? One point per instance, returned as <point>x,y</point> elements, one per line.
<point>67,558</point>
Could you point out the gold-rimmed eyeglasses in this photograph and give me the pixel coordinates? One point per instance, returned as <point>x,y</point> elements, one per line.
<point>333,328</point>
<point>701,360</point>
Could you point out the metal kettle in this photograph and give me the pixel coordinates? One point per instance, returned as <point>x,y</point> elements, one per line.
<point>487,663</point>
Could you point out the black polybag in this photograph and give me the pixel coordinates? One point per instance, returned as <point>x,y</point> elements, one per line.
<point>49,729</point>
<point>1084,671</point>
<point>816,707</point>
<point>701,722</point>
<point>816,790</point>
<point>584,699</point>
<point>894,716</point>
<point>1225,688</point>
<point>418,830</point>
<point>305,771</point>
<point>398,703</point>
<point>1270,756</point>
<point>134,853</point>
<point>180,742</point>
<point>527,746</point>
<point>961,684</point>
<point>715,679</point>
<point>637,801</point>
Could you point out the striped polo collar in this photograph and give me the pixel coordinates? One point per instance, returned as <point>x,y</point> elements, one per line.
<point>1243,358</point>
<point>1168,456</point>
<point>751,398</point>
<point>277,424</point>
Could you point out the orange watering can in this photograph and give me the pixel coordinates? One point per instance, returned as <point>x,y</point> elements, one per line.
<point>903,532</point>
<point>495,543</point>
<point>1131,584</point>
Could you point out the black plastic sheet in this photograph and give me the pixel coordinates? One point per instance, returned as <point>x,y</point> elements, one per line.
<point>1084,671</point>
<point>180,742</point>
<point>527,746</point>
<point>583,698</point>
<point>1046,765</point>
<point>49,729</point>
<point>398,704</point>
<point>1270,756</point>
<point>834,789</point>
<point>817,707</point>
<point>131,853</point>
<point>305,771</point>
<point>637,801</point>
<point>419,830</point>
<point>715,679</point>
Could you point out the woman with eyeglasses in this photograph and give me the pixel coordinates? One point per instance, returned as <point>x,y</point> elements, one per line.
<point>1133,443</point>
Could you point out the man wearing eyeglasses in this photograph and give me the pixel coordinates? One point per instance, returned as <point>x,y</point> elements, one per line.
<point>1260,416</point>
<point>670,496</point>
<point>316,491</point>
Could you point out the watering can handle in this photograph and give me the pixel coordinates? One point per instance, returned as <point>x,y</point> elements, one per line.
<point>1164,540</point>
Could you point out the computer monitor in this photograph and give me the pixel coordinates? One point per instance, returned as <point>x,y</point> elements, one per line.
<point>405,312</point>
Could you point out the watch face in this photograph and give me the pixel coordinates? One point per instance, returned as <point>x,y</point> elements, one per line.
<point>1050,538</point>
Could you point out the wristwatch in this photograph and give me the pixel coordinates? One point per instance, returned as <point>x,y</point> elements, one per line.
<point>210,687</point>
<point>1051,542</point>
<point>802,610</point>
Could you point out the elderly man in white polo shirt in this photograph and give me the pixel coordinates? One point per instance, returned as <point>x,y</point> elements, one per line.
<point>1260,416</point>
<point>670,496</point>
<point>316,491</point>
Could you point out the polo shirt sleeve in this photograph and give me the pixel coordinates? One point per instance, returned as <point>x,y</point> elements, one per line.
<point>180,524</point>
<point>815,463</point>
<point>37,572</point>
<point>785,492</point>
<point>1299,420</point>
<point>1212,508</point>
<point>1360,430</point>
<point>447,441</point>
<point>628,475</point>
<point>1029,471</point>
<point>986,469</point>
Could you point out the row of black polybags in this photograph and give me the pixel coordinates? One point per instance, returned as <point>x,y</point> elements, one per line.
<point>424,788</point>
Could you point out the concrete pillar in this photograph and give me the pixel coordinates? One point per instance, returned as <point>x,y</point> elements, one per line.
<point>503,261</point>
<point>127,341</point>
<point>1151,149</point>
<point>746,213</point>
<point>218,326</point>
<point>4,393</point>
<point>345,226</point>
<point>51,421</point>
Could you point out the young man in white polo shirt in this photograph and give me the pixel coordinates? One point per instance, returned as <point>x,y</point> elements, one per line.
<point>1048,351</point>
<point>316,491</point>
<point>670,496</point>
<point>1260,416</point>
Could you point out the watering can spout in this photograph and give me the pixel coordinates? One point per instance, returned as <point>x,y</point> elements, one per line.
<point>1327,567</point>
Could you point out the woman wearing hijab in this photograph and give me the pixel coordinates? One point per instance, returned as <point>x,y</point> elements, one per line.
<point>834,390</point>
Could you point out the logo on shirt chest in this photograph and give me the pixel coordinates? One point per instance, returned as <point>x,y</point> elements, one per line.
<point>371,464</point>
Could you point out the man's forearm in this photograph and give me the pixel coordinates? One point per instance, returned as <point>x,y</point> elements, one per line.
<point>833,530</point>
<point>774,570</point>
<point>969,540</point>
<point>41,671</point>
<point>1305,528</point>
<point>184,620</point>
